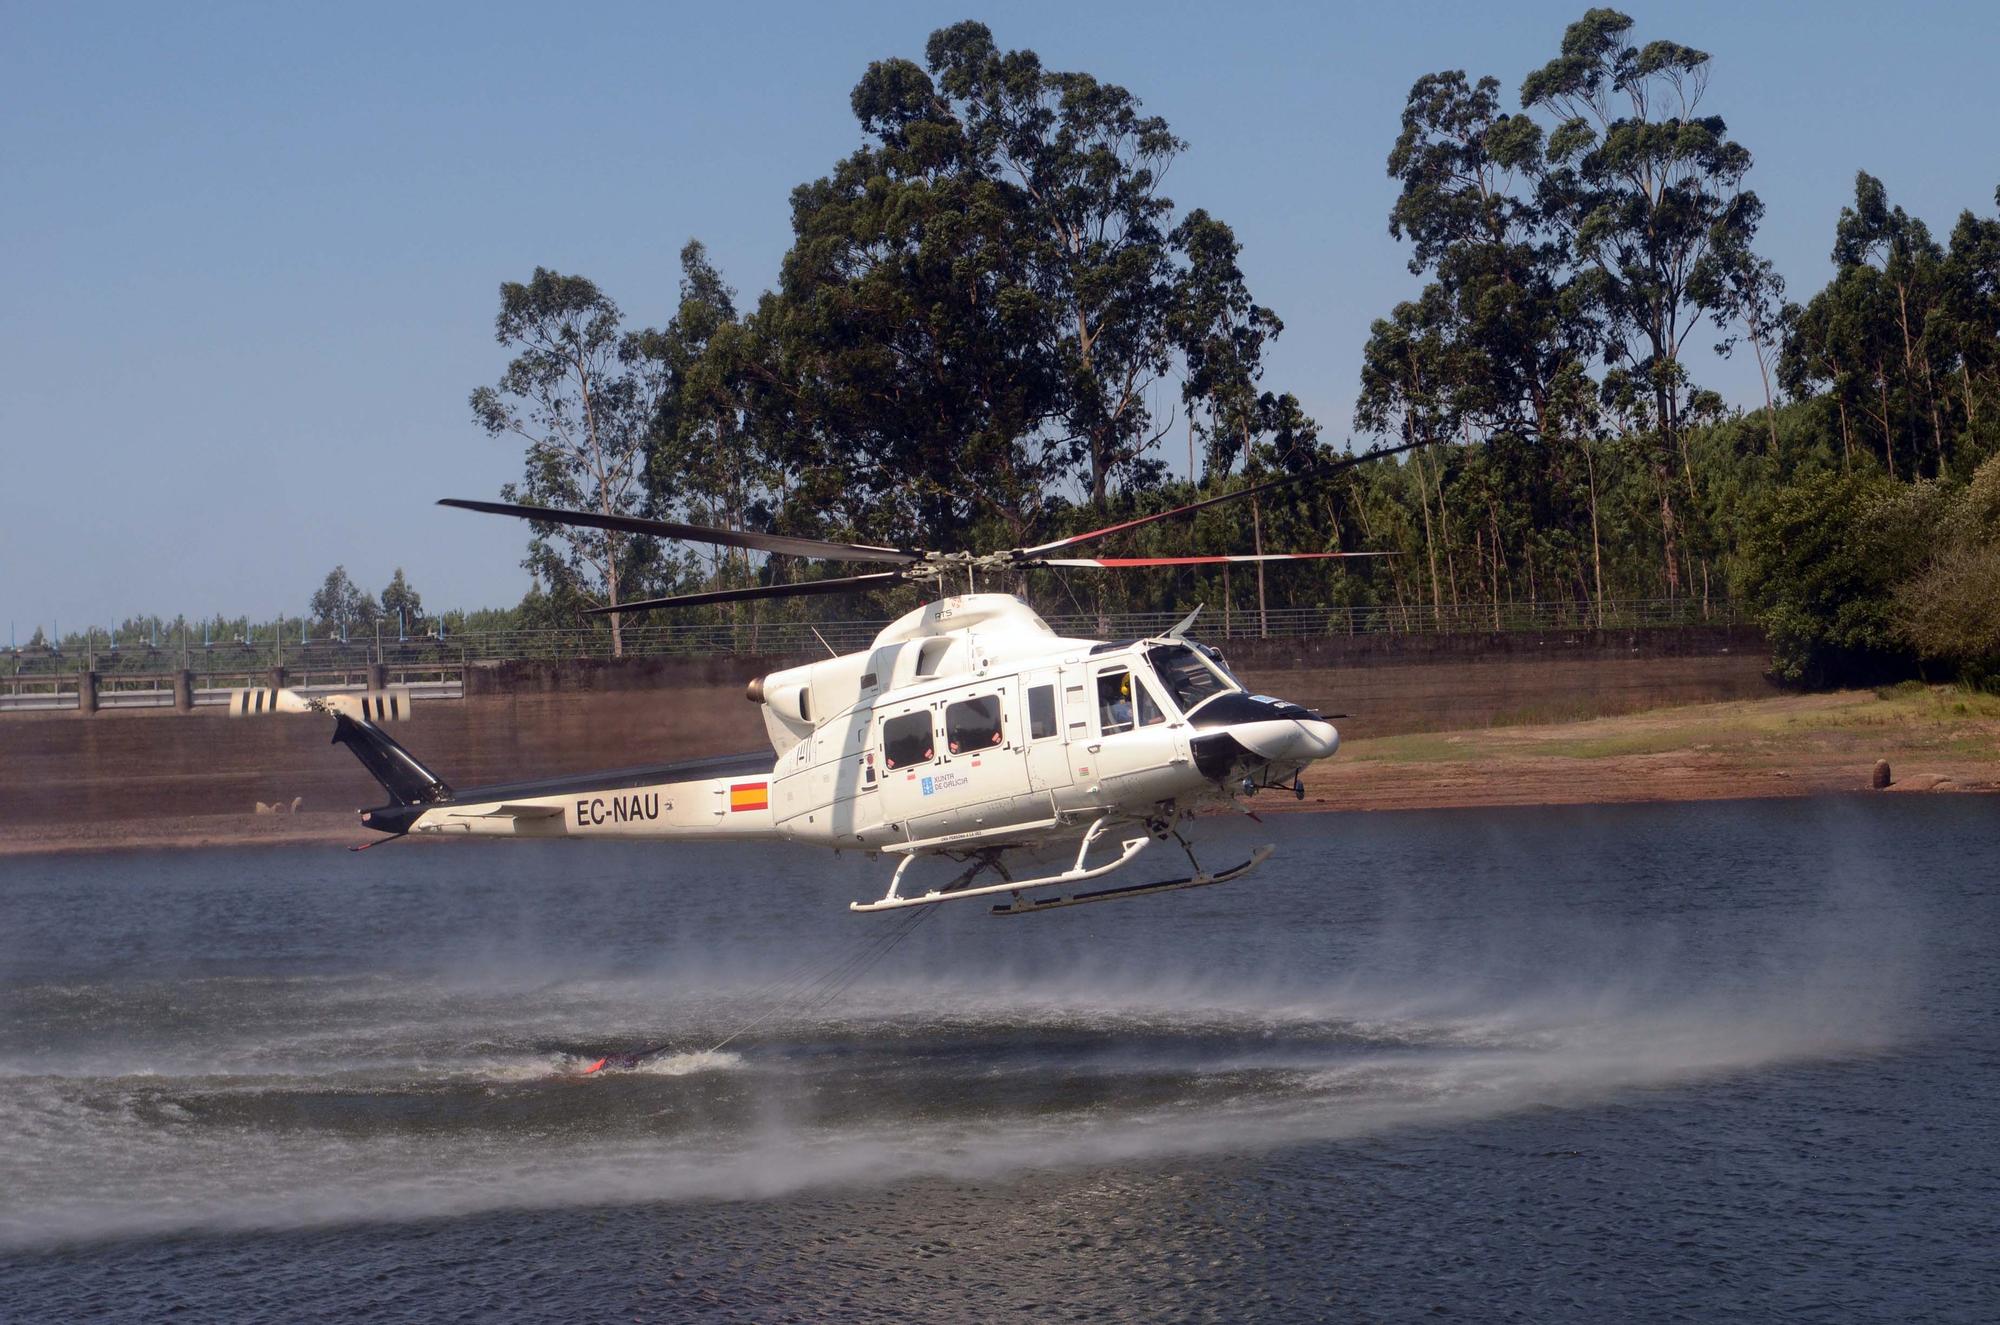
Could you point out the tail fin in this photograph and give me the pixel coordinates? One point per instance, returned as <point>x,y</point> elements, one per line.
<point>407,781</point>
<point>354,716</point>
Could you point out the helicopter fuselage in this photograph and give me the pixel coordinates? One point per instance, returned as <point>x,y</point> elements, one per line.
<point>968,725</point>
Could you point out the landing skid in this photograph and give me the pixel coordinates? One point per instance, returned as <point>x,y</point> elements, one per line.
<point>1078,872</point>
<point>959,887</point>
<point>1022,906</point>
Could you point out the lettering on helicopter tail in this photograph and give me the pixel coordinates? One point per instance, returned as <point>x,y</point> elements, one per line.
<point>749,796</point>
<point>619,809</point>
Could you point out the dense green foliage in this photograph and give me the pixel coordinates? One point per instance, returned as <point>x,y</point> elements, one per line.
<point>993,327</point>
<point>962,344</point>
<point>989,322</point>
<point>1570,251</point>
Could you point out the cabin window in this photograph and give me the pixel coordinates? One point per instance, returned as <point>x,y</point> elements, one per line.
<point>1041,712</point>
<point>907,740</point>
<point>1114,701</point>
<point>972,724</point>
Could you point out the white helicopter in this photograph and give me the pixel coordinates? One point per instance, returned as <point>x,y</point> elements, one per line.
<point>968,732</point>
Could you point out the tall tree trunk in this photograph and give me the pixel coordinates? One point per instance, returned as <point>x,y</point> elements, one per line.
<point>617,619</point>
<point>1910,372</point>
<point>1667,529</point>
<point>1937,424</point>
<point>1493,520</point>
<point>1444,533</point>
<point>1965,389</point>
<point>1764,372</point>
<point>1596,547</point>
<point>1430,541</point>
<point>1888,433</point>
<point>1257,541</point>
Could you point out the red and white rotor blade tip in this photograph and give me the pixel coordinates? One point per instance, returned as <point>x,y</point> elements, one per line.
<point>1126,563</point>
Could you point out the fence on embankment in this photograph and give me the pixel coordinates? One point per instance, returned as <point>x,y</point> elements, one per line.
<point>187,688</point>
<point>148,674</point>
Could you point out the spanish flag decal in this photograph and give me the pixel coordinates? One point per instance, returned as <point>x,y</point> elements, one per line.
<point>749,796</point>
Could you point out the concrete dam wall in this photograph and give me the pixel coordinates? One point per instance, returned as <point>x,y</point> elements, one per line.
<point>521,719</point>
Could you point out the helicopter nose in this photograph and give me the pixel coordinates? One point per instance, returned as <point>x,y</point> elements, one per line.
<point>1288,740</point>
<point>1242,728</point>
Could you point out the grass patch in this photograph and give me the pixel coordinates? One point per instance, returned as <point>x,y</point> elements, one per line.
<point>1620,744</point>
<point>1941,703</point>
<point>1416,748</point>
<point>1947,721</point>
<point>1554,714</point>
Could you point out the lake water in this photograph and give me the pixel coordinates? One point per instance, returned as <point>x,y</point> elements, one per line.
<point>1662,1062</point>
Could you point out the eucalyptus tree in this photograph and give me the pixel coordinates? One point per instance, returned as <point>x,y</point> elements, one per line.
<point>582,396</point>
<point>1972,315</point>
<point>1897,261</point>
<point>401,601</point>
<point>1834,350</point>
<point>980,301</point>
<point>1222,334</point>
<point>340,604</point>
<point>1494,350</point>
<point>1085,164</point>
<point>704,463</point>
<point>1888,332</point>
<point>904,366</point>
<point>1751,306</point>
<point>1648,193</point>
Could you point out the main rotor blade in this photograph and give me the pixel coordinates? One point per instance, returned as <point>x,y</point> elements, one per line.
<point>1318,471</point>
<point>844,584</point>
<point>694,533</point>
<point>1124,563</point>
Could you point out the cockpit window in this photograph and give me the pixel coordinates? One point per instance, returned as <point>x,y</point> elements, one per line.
<point>1147,708</point>
<point>1219,663</point>
<point>1188,676</point>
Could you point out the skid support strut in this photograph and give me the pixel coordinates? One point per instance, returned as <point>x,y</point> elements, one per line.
<point>1199,879</point>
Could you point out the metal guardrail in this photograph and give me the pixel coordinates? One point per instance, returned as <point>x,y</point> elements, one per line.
<point>435,669</point>
<point>160,694</point>
<point>61,691</point>
<point>432,659</point>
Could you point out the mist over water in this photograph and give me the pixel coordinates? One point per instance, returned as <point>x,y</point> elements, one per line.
<point>258,1046</point>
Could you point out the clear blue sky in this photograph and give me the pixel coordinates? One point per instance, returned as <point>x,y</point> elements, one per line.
<point>251,252</point>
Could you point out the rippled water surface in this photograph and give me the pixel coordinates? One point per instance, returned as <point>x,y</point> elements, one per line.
<point>1657,1062</point>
